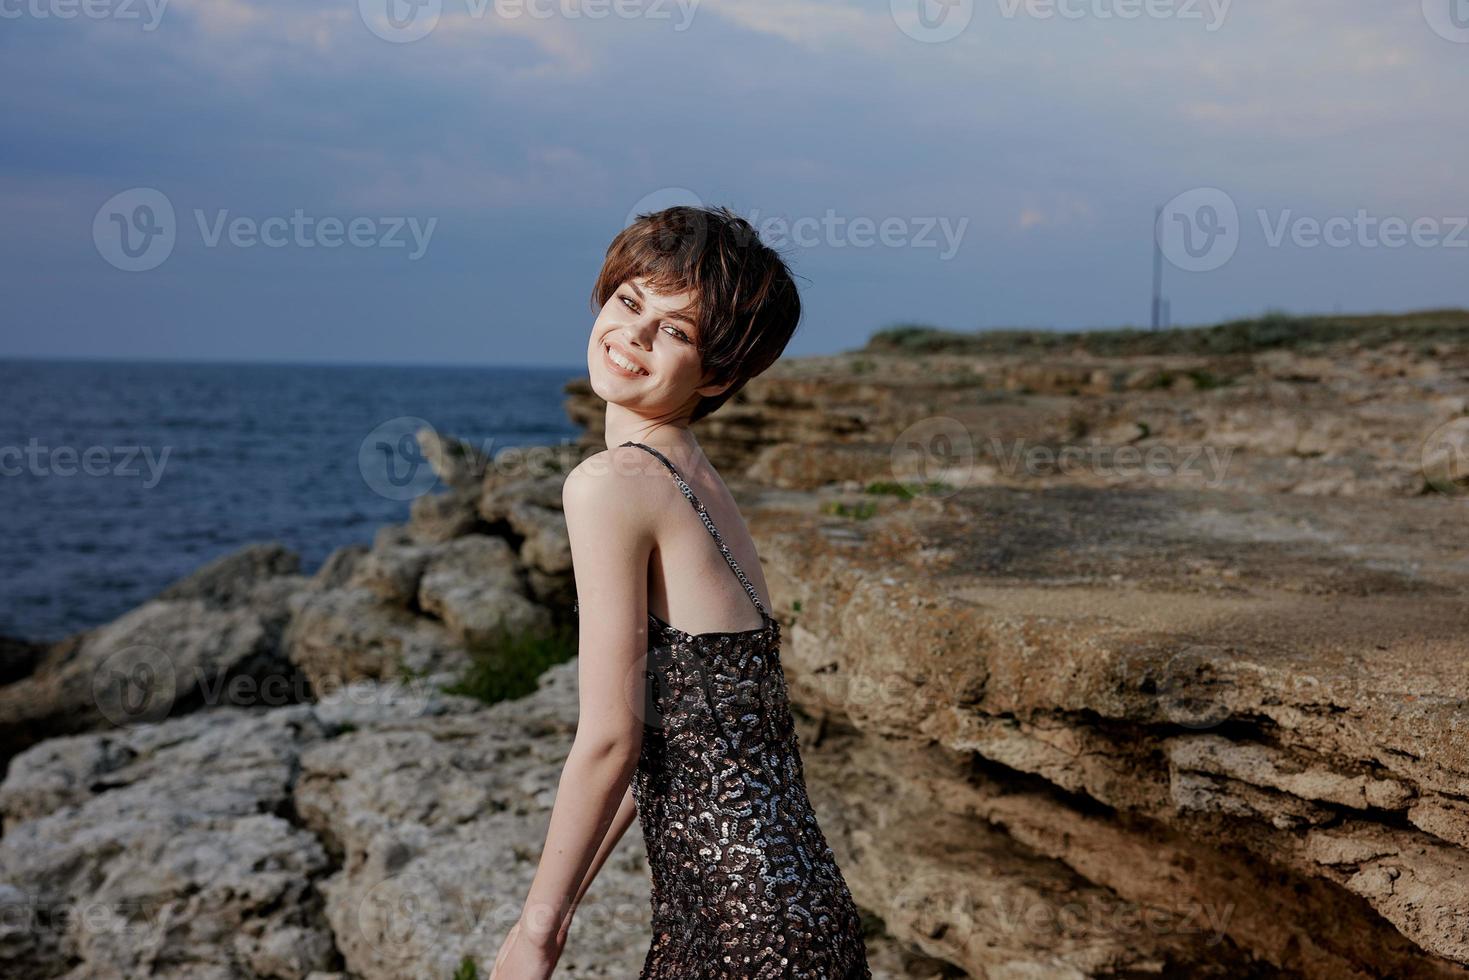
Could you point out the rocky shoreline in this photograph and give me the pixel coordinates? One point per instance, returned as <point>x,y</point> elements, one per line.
<point>1108,663</point>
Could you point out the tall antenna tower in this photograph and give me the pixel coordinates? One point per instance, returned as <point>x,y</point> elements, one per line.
<point>1157,270</point>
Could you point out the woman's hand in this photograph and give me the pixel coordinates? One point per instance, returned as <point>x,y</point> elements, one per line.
<point>522,958</point>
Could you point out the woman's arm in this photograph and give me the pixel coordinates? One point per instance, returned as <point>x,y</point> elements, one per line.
<point>593,782</point>
<point>625,815</point>
<point>609,523</point>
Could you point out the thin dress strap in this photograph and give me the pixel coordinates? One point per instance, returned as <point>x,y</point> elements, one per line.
<point>688,492</point>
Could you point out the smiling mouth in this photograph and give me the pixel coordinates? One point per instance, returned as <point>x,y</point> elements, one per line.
<point>622,361</point>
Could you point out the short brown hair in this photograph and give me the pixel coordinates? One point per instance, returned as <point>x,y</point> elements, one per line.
<point>745,302</point>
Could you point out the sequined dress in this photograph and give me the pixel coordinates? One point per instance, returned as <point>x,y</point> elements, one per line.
<point>744,882</point>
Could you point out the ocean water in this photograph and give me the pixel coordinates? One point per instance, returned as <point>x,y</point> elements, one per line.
<point>116,478</point>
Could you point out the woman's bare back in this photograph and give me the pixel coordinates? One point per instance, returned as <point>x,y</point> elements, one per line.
<point>689,585</point>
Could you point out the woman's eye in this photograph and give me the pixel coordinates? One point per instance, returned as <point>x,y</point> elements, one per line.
<point>631,304</point>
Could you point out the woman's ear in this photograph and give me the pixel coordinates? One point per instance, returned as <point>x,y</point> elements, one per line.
<point>710,390</point>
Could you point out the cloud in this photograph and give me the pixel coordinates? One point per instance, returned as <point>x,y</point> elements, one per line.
<point>260,40</point>
<point>1053,138</point>
<point>1063,209</point>
<point>813,24</point>
<point>454,179</point>
<point>234,16</point>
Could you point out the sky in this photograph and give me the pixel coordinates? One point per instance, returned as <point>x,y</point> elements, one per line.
<point>437,181</point>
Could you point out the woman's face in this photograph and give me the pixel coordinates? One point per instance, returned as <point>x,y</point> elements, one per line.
<point>643,356</point>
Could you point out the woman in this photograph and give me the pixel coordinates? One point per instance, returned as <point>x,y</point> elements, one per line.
<point>687,728</point>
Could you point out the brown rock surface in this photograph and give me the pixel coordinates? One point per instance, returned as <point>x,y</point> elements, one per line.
<point>180,650</point>
<point>387,831</point>
<point>1343,418</point>
<point>1299,717</point>
<point>1163,675</point>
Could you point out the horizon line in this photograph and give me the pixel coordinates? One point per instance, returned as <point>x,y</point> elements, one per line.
<point>276,362</point>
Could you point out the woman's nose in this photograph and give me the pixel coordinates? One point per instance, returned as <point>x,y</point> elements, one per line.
<point>640,331</point>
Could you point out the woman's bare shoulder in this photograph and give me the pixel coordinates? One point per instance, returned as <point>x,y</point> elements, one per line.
<point>613,479</point>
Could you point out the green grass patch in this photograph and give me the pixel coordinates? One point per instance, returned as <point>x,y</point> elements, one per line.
<point>858,511</point>
<point>407,675</point>
<point>467,970</point>
<point>509,665</point>
<point>1273,329</point>
<point>906,491</point>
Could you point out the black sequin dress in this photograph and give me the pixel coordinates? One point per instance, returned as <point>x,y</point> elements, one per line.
<point>744,883</point>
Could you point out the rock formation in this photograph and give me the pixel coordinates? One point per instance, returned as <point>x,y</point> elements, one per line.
<point>1117,655</point>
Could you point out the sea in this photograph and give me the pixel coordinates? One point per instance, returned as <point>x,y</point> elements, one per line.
<point>117,478</point>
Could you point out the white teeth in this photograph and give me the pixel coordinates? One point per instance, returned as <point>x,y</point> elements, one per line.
<point>623,362</point>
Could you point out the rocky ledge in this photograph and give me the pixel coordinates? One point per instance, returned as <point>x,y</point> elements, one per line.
<point>1059,719</point>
